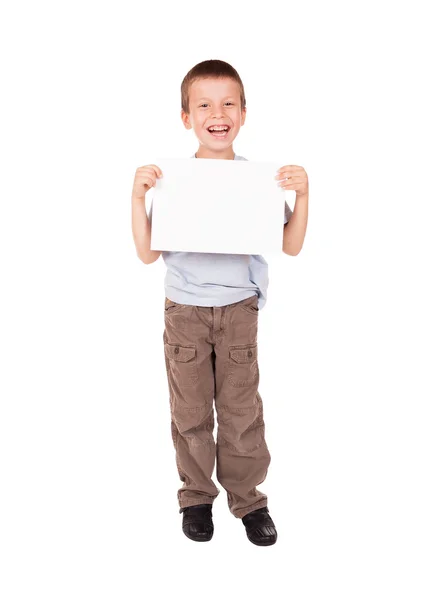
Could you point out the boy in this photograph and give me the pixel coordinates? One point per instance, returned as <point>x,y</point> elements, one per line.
<point>211,318</point>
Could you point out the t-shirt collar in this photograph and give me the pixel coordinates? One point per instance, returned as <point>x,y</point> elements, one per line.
<point>194,156</point>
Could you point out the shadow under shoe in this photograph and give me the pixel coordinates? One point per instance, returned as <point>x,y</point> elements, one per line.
<point>197,522</point>
<point>259,527</point>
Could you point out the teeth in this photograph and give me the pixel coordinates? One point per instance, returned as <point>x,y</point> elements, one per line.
<point>215,128</point>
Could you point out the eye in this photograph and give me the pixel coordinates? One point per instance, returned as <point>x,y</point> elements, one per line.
<point>206,104</point>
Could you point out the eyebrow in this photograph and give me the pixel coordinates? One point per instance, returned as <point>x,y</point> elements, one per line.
<point>199,99</point>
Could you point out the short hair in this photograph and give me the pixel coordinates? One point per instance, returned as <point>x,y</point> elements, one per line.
<point>209,69</point>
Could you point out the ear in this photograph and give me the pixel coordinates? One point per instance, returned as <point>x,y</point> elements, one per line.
<point>186,120</point>
<point>243,116</point>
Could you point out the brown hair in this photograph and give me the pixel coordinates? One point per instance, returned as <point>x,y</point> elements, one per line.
<point>205,70</point>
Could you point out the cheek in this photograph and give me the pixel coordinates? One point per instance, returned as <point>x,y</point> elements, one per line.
<point>236,118</point>
<point>199,122</point>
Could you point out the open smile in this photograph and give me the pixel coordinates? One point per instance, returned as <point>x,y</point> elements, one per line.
<point>219,131</point>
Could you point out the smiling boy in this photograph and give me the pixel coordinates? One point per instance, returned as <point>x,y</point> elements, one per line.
<point>211,311</point>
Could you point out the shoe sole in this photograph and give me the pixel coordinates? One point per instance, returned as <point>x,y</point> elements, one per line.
<point>199,539</point>
<point>267,543</point>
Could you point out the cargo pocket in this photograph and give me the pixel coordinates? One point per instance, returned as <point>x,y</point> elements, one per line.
<point>243,367</point>
<point>250,305</point>
<point>171,307</point>
<point>182,366</point>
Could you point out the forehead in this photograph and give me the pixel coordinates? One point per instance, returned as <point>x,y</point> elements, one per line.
<point>213,88</point>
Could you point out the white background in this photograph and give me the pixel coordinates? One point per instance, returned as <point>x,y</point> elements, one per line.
<point>88,505</point>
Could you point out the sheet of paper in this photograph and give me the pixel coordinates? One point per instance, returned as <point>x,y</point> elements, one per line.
<point>215,205</point>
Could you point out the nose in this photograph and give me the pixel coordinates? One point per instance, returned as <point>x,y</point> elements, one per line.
<point>218,113</point>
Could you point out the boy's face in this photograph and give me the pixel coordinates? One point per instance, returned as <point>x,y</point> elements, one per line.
<point>214,102</point>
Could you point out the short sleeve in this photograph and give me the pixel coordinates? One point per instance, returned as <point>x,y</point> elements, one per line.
<point>287,212</point>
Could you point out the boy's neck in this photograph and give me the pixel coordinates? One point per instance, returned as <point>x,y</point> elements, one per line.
<point>227,154</point>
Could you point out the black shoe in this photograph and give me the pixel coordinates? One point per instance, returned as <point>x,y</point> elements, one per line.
<point>197,522</point>
<point>260,527</point>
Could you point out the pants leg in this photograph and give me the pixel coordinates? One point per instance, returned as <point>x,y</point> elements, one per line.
<point>189,363</point>
<point>211,353</point>
<point>242,454</point>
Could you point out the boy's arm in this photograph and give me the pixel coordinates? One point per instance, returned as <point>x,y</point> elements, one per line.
<point>295,228</point>
<point>142,231</point>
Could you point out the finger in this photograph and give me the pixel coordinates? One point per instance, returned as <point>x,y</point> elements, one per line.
<point>283,174</point>
<point>149,181</point>
<point>288,183</point>
<point>291,168</point>
<point>294,188</point>
<point>289,179</point>
<point>157,170</point>
<point>151,169</point>
<point>149,177</point>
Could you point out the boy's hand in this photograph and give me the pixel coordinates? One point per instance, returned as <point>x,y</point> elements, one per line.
<point>293,177</point>
<point>145,178</point>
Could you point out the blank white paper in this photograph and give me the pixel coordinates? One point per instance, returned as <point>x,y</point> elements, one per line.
<point>216,205</point>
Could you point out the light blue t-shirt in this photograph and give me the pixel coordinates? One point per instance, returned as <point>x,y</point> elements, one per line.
<point>207,279</point>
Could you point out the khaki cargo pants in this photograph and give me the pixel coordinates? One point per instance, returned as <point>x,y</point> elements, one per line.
<point>211,354</point>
